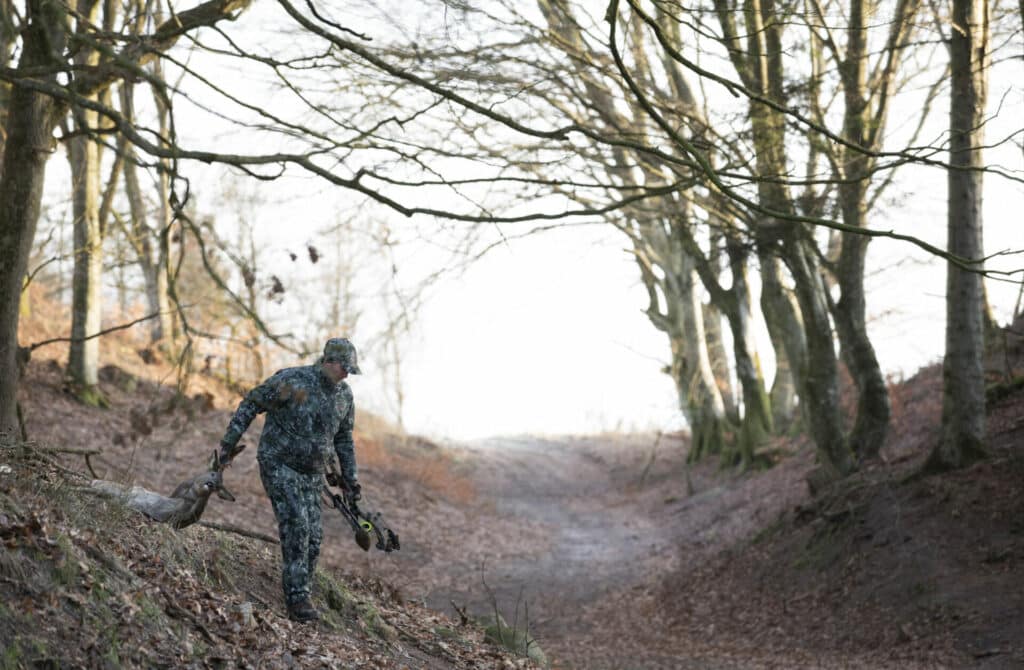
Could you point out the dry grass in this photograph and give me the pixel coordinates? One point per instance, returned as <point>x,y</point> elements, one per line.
<point>416,461</point>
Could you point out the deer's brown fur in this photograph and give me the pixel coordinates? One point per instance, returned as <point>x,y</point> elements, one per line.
<point>184,506</point>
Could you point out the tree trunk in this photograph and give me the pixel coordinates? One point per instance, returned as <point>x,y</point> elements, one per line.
<point>783,395</point>
<point>873,410</point>
<point>31,118</point>
<point>8,39</point>
<point>786,331</point>
<point>691,369</point>
<point>168,317</point>
<point>963,397</point>
<point>819,391</point>
<point>713,313</point>
<point>819,377</point>
<point>719,357</point>
<point>86,305</point>
<point>29,141</point>
<point>86,296</point>
<point>756,425</point>
<point>152,266</point>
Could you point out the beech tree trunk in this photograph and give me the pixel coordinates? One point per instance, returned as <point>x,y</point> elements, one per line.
<point>86,284</point>
<point>786,332</point>
<point>719,357</point>
<point>86,306</point>
<point>756,425</point>
<point>756,52</point>
<point>863,132</point>
<point>29,141</point>
<point>152,262</point>
<point>691,369</point>
<point>963,397</point>
<point>820,375</point>
<point>873,409</point>
<point>168,318</point>
<point>8,39</point>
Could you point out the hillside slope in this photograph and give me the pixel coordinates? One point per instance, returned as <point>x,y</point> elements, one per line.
<point>85,582</point>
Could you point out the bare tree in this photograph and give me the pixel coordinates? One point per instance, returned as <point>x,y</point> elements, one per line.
<point>963,397</point>
<point>150,246</point>
<point>459,135</point>
<point>38,102</point>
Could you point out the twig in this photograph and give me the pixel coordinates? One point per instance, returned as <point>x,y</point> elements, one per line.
<point>82,452</point>
<point>650,460</point>
<point>123,326</point>
<point>69,450</point>
<point>463,617</point>
<point>179,612</point>
<point>238,530</point>
<point>21,421</point>
<point>39,455</point>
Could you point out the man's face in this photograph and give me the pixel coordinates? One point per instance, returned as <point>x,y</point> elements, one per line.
<point>334,370</point>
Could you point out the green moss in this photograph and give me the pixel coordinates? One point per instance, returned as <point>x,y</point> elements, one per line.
<point>12,657</point>
<point>199,650</point>
<point>100,611</point>
<point>446,632</point>
<point>374,622</point>
<point>451,635</point>
<point>342,606</point>
<point>150,611</point>
<point>340,603</point>
<point>93,397</point>
<point>997,392</point>
<point>66,570</point>
<point>337,597</point>
<point>213,565</point>
<point>40,655</point>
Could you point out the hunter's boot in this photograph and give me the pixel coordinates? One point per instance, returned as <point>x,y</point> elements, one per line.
<point>303,611</point>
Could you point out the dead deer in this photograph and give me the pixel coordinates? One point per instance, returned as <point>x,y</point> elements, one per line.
<point>185,505</point>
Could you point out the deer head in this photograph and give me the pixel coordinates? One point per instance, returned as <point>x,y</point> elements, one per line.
<point>194,493</point>
<point>216,482</point>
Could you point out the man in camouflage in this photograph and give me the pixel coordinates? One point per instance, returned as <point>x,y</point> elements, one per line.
<point>309,409</point>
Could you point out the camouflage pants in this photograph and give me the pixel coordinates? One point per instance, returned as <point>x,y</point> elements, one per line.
<point>295,498</point>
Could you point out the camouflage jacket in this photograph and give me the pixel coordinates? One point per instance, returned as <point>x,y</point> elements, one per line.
<point>306,413</point>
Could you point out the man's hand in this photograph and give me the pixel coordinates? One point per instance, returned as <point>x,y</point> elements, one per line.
<point>353,491</point>
<point>227,453</point>
<point>335,480</point>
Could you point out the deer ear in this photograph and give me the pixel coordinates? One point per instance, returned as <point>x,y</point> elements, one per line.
<point>215,461</point>
<point>224,494</point>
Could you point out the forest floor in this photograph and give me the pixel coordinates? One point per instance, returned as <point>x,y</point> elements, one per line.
<point>612,550</point>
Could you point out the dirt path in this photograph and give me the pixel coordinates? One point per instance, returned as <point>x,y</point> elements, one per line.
<point>597,538</point>
<point>616,559</point>
<point>572,535</point>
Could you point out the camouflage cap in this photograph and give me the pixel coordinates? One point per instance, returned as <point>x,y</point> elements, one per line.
<point>340,350</point>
